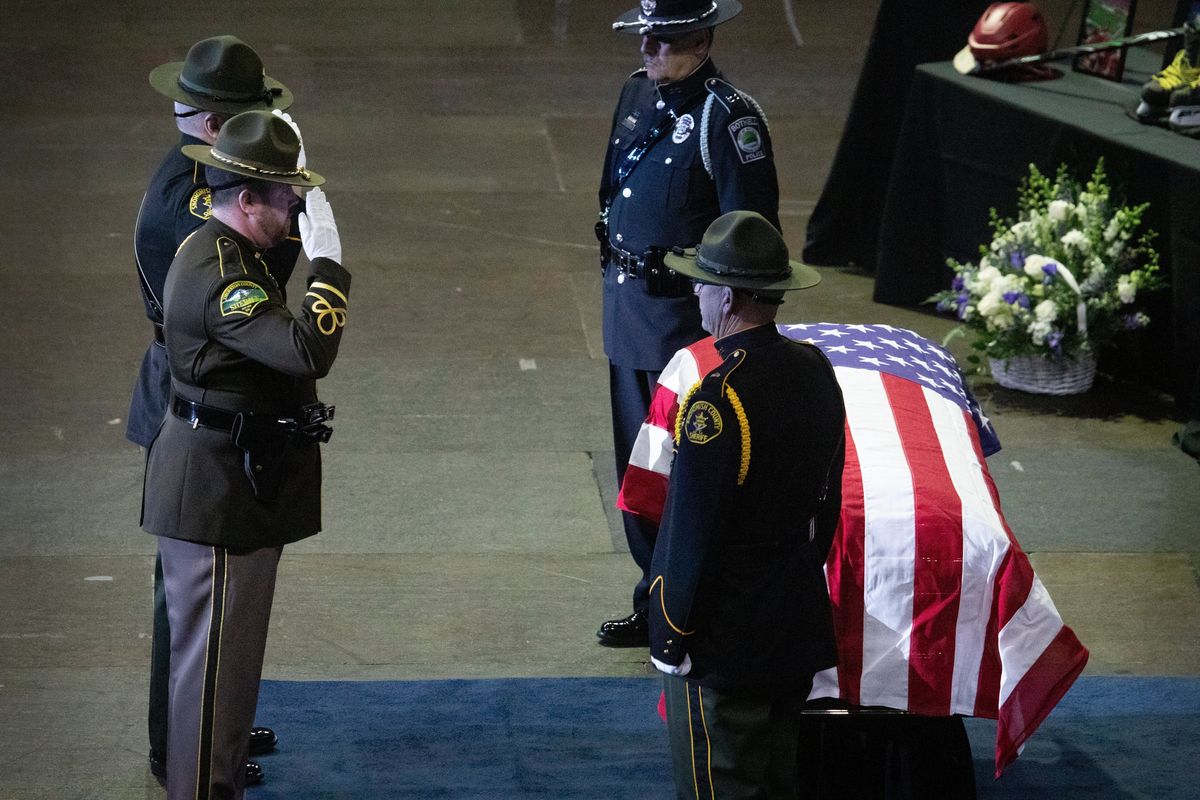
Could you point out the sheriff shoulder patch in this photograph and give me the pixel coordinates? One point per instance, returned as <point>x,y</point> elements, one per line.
<point>241,297</point>
<point>747,138</point>
<point>200,203</point>
<point>703,423</point>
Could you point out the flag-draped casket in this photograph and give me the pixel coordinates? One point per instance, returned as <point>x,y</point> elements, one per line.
<point>937,608</point>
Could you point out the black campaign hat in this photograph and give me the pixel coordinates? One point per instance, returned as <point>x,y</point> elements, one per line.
<point>221,74</point>
<point>676,16</point>
<point>743,249</point>
<point>256,144</point>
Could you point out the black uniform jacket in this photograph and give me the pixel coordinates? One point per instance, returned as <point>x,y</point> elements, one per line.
<point>669,199</point>
<point>177,202</point>
<point>737,572</point>
<point>232,343</point>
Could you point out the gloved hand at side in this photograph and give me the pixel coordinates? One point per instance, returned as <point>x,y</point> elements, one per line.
<point>318,231</point>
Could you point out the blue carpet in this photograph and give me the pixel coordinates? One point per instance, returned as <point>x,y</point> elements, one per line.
<point>1110,738</point>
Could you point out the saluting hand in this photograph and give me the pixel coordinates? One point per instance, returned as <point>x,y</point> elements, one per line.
<point>318,231</point>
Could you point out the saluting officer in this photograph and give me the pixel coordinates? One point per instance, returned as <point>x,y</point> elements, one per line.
<point>740,617</point>
<point>235,471</point>
<point>686,146</point>
<point>221,76</point>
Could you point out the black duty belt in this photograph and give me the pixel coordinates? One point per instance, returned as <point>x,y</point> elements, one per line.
<point>199,414</point>
<point>632,265</point>
<point>158,334</point>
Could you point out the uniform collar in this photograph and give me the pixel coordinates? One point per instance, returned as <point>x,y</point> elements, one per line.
<point>747,339</point>
<point>676,93</point>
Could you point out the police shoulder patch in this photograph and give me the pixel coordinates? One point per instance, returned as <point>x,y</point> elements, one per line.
<point>703,422</point>
<point>241,297</point>
<point>200,203</point>
<point>747,138</point>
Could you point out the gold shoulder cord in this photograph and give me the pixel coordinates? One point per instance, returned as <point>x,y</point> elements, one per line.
<point>744,424</point>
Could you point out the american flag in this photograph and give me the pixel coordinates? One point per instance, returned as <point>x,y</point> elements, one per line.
<point>937,608</point>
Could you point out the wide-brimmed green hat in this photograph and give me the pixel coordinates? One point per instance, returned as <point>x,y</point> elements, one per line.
<point>676,16</point>
<point>743,250</point>
<point>256,144</point>
<point>221,74</point>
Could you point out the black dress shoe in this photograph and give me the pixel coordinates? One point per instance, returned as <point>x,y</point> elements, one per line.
<point>632,631</point>
<point>262,740</point>
<point>158,768</point>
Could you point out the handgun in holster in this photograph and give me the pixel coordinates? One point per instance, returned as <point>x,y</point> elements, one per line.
<point>602,238</point>
<point>265,445</point>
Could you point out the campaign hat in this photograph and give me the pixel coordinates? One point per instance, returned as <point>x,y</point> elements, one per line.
<point>221,74</point>
<point>744,250</point>
<point>676,16</point>
<point>256,144</point>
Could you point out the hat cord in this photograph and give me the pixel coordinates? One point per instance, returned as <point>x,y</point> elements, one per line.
<point>224,159</point>
<point>267,95</point>
<point>650,24</point>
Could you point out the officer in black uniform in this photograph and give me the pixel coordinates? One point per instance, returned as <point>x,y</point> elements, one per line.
<point>740,617</point>
<point>235,470</point>
<point>221,76</point>
<point>685,147</point>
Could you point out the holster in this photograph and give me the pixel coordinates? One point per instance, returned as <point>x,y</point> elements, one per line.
<point>602,238</point>
<point>661,280</point>
<point>265,445</point>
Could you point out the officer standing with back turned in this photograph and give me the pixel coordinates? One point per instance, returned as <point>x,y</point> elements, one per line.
<point>685,147</point>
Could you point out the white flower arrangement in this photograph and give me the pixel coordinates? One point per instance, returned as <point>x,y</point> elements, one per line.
<point>1060,280</point>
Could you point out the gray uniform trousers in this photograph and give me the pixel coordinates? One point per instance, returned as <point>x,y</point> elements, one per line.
<point>219,603</point>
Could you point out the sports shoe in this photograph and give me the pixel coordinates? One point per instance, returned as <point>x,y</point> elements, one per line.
<point>1183,71</point>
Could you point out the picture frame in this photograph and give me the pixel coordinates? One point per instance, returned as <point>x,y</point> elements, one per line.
<point>1103,21</point>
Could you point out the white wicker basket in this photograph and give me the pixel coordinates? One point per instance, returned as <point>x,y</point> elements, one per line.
<point>1045,375</point>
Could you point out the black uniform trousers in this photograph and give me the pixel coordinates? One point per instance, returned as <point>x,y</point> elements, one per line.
<point>630,391</point>
<point>219,601</point>
<point>730,746</point>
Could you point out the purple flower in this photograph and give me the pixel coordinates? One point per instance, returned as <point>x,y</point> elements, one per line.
<point>1019,298</point>
<point>958,283</point>
<point>1054,339</point>
<point>1050,268</point>
<point>1017,259</point>
<point>1134,321</point>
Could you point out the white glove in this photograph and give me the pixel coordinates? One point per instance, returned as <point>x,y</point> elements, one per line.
<point>318,231</point>
<point>681,670</point>
<point>302,161</point>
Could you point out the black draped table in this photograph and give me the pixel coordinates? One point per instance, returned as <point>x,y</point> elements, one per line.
<point>966,143</point>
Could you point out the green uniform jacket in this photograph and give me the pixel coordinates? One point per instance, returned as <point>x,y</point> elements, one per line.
<point>232,343</point>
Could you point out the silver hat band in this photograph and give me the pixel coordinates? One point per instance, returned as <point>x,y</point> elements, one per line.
<point>648,25</point>
<point>299,172</point>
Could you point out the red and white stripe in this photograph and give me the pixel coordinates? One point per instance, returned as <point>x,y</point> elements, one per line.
<point>936,606</point>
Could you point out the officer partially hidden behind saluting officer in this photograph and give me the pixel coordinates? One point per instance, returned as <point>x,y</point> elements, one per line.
<point>235,470</point>
<point>685,147</point>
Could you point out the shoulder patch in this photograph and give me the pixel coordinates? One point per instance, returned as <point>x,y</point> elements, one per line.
<point>241,297</point>
<point>200,203</point>
<point>748,139</point>
<point>703,422</point>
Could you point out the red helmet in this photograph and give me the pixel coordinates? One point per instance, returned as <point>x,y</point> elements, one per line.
<point>1008,30</point>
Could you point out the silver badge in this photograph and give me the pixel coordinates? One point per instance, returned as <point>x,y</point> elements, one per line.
<point>683,129</point>
<point>648,7</point>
